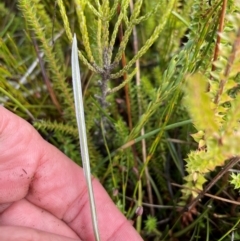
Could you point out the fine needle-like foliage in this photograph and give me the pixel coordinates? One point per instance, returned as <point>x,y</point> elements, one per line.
<point>160,87</point>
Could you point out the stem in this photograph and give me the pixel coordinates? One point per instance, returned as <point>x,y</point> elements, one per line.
<point>220,30</point>
<point>228,67</point>
<point>138,83</point>
<point>126,87</point>
<point>231,163</point>
<point>45,77</point>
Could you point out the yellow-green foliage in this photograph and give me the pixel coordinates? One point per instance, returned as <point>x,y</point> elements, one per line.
<point>215,113</point>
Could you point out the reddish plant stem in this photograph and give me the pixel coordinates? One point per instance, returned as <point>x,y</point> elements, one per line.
<point>46,79</point>
<point>228,67</point>
<point>126,87</point>
<point>220,30</point>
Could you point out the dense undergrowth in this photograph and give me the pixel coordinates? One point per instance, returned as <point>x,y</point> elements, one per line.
<point>153,73</point>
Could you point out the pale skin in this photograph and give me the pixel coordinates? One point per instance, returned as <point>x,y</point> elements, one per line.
<point>43,193</point>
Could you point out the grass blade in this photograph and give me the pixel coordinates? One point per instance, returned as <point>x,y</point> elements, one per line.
<point>77,89</point>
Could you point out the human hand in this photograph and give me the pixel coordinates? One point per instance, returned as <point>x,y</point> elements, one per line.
<point>43,195</point>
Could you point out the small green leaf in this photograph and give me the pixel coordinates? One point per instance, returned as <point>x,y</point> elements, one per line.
<point>235,180</point>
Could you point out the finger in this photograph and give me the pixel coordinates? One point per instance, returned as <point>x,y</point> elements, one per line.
<point>11,233</point>
<point>18,142</point>
<point>51,181</point>
<point>25,214</point>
